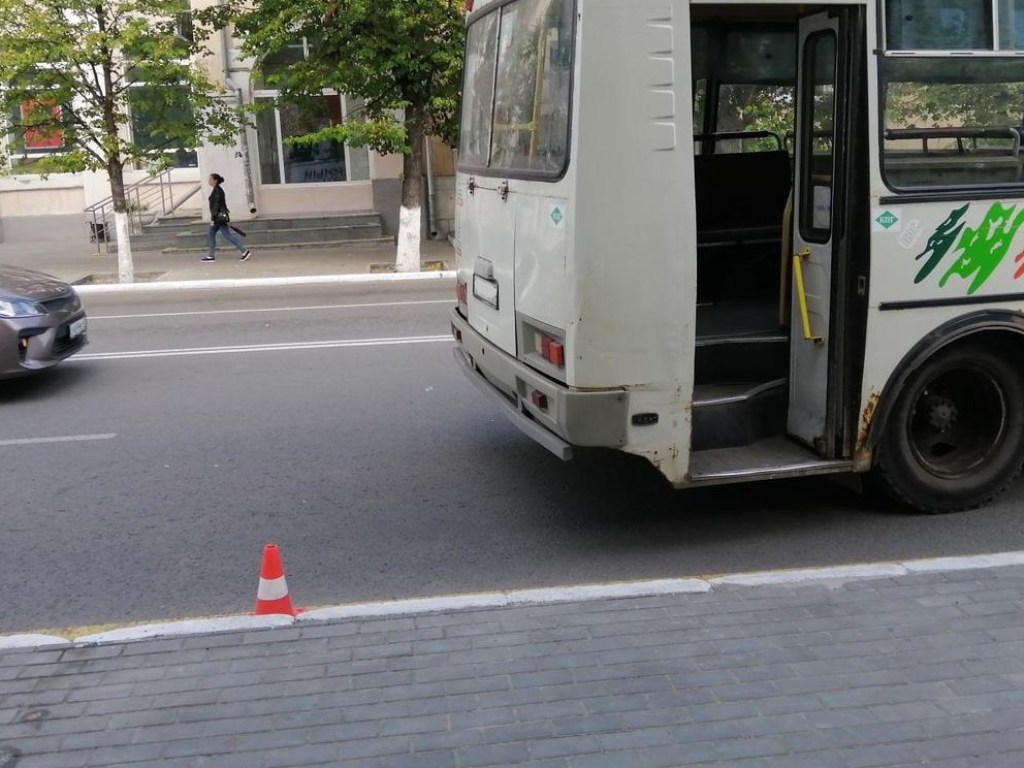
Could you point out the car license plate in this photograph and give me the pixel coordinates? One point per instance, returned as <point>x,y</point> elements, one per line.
<point>486,290</point>
<point>77,328</point>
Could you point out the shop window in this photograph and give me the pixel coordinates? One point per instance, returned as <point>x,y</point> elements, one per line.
<point>282,162</point>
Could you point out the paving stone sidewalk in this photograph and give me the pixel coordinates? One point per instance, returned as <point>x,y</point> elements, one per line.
<point>917,670</point>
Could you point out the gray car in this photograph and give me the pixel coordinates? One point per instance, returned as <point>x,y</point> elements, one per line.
<point>41,322</point>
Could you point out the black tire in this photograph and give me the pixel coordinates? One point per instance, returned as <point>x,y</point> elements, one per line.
<point>955,437</point>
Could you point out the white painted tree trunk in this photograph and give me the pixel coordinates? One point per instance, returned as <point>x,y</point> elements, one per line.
<point>409,226</point>
<point>125,267</point>
<point>410,217</point>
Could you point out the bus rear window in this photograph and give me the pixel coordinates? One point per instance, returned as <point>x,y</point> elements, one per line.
<point>515,110</point>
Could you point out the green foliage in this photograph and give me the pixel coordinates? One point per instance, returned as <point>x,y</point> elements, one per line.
<point>401,58</point>
<point>757,108</point>
<point>87,68</point>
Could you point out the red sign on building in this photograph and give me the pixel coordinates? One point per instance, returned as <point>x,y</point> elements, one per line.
<point>42,135</point>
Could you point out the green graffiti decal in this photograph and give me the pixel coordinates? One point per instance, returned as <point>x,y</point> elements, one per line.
<point>982,250</point>
<point>941,241</point>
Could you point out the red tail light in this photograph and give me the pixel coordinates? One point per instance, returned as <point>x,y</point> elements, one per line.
<point>551,350</point>
<point>462,298</point>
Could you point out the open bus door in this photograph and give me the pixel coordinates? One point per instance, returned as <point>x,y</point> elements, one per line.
<point>821,214</point>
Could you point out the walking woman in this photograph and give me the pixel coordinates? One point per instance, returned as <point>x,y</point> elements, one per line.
<point>219,218</point>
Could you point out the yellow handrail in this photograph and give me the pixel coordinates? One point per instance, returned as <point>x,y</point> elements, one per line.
<point>801,294</point>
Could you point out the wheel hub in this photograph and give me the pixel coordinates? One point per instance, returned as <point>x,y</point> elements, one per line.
<point>942,412</point>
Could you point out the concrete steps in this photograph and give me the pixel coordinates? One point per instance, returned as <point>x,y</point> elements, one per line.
<point>177,234</point>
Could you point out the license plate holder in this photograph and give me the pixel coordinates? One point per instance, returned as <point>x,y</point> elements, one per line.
<point>77,328</point>
<point>486,290</point>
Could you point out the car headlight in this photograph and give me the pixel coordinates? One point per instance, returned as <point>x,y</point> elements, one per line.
<point>20,308</point>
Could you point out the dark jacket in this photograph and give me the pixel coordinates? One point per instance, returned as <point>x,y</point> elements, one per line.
<point>218,205</point>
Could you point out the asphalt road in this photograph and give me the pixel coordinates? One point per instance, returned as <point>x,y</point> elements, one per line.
<point>259,415</point>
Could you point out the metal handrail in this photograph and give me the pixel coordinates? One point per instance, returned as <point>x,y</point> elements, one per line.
<point>147,201</point>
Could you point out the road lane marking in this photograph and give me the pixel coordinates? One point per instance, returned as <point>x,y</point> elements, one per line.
<point>64,439</point>
<point>288,346</point>
<point>368,305</point>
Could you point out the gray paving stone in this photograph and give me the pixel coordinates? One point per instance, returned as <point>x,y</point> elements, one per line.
<point>920,670</point>
<point>493,754</point>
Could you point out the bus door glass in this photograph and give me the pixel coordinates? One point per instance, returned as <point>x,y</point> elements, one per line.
<point>817,137</point>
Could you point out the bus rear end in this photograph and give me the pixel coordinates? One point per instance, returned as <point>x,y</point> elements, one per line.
<point>570,343</point>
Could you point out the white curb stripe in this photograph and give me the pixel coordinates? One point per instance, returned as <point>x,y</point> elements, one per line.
<point>266,282</point>
<point>189,627</point>
<point>969,563</point>
<point>847,572</point>
<point>484,600</point>
<point>65,439</point>
<point>12,642</point>
<point>272,589</point>
<point>481,600</point>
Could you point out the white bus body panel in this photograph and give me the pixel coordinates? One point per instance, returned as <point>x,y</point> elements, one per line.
<point>899,252</point>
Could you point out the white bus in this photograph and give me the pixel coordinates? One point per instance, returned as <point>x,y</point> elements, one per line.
<point>751,240</point>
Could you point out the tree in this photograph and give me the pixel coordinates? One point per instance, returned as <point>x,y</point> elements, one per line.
<point>74,72</point>
<point>402,59</point>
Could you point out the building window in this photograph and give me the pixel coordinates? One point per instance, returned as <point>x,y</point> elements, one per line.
<point>282,162</point>
<point>153,109</point>
<point>36,134</point>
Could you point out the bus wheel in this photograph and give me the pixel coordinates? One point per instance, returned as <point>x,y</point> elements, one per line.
<point>955,438</point>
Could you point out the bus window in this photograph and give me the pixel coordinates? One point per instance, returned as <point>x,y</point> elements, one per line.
<point>1011,24</point>
<point>939,25</point>
<point>700,102</point>
<point>953,122</point>
<point>515,102</point>
<point>478,87</point>
<point>756,91</point>
<point>531,99</point>
<point>754,109</point>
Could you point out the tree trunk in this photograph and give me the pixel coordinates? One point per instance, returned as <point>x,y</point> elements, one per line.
<point>125,267</point>
<point>410,218</point>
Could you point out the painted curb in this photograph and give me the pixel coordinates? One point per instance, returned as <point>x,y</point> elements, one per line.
<point>188,627</point>
<point>508,598</point>
<point>28,642</point>
<point>808,575</point>
<point>265,282</point>
<point>969,563</point>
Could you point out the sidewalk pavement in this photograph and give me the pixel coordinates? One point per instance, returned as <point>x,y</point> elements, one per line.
<point>924,669</point>
<point>76,263</point>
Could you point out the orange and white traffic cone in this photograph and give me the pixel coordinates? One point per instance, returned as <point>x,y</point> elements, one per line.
<point>272,593</point>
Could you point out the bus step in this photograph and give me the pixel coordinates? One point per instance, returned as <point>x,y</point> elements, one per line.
<point>735,358</point>
<point>769,459</point>
<point>739,414</point>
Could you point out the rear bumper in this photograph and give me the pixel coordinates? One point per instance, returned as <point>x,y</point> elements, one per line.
<point>573,418</point>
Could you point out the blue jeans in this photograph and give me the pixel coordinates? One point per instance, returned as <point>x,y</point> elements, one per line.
<point>229,235</point>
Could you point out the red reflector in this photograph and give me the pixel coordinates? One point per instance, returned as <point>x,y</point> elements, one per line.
<point>539,400</point>
<point>469,6</point>
<point>461,293</point>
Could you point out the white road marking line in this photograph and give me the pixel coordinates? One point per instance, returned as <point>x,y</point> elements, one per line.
<point>368,305</point>
<point>297,345</point>
<point>64,439</point>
